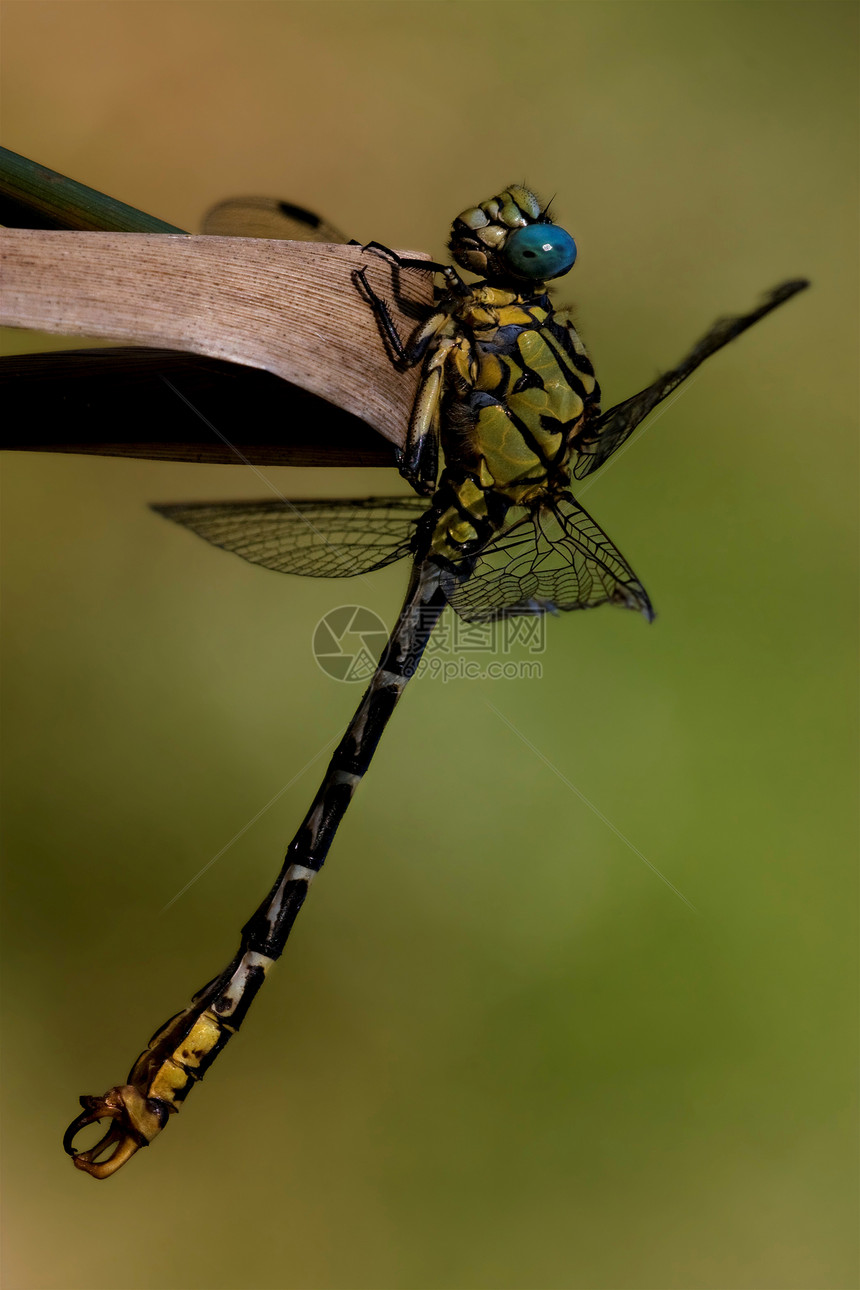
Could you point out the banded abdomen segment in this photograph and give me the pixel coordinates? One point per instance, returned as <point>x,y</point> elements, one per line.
<point>177,1056</point>
<point>181,1052</point>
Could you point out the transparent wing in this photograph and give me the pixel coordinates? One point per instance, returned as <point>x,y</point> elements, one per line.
<point>321,539</point>
<point>553,558</point>
<point>601,437</point>
<point>268,217</point>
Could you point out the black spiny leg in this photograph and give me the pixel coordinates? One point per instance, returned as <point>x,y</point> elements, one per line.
<point>419,459</point>
<point>452,278</point>
<point>399,353</point>
<point>406,261</point>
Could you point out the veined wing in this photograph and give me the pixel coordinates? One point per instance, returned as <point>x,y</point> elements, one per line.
<point>552,558</point>
<point>268,217</point>
<point>601,437</point>
<point>321,539</point>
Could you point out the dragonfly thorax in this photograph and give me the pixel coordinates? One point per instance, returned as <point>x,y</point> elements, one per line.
<point>487,308</point>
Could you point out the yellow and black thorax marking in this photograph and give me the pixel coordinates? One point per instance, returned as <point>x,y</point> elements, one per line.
<point>512,384</point>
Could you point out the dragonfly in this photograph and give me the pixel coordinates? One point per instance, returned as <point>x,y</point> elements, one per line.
<point>507,414</point>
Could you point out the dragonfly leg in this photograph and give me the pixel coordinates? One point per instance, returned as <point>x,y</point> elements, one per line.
<point>407,261</point>
<point>452,278</point>
<point>419,459</point>
<point>400,353</point>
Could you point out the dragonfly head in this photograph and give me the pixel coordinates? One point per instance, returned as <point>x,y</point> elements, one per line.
<point>511,239</point>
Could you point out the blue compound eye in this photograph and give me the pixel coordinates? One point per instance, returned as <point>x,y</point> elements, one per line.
<point>539,251</point>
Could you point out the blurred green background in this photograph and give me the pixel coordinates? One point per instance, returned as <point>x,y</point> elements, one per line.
<point>499,1051</point>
